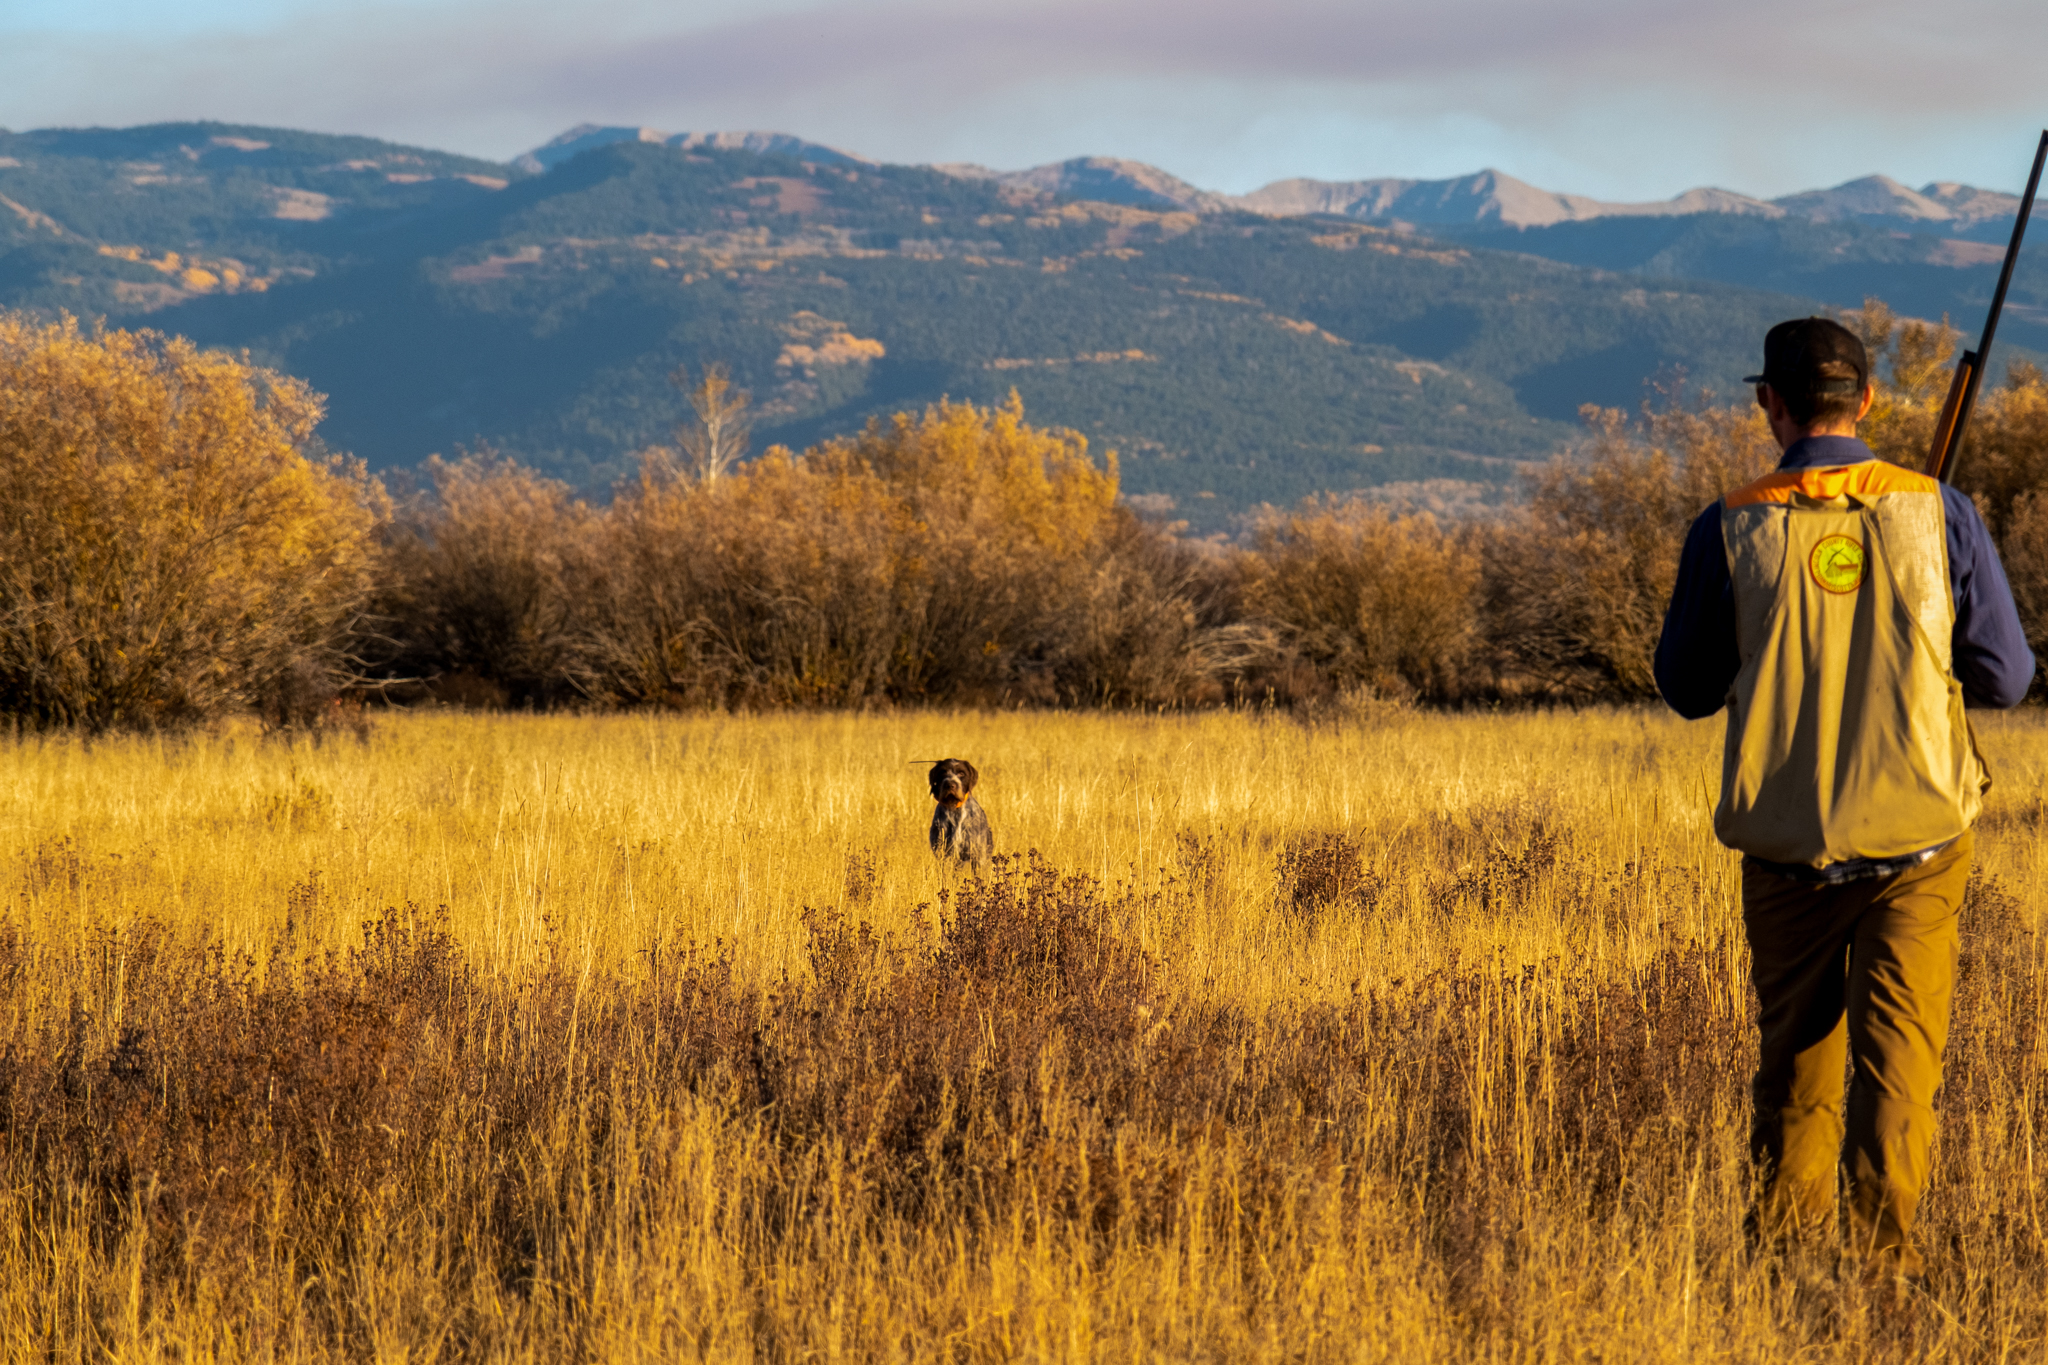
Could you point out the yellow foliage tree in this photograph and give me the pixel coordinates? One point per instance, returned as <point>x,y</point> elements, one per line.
<point>972,468</point>
<point>959,554</point>
<point>718,440</point>
<point>167,550</point>
<point>1005,520</point>
<point>2005,454</point>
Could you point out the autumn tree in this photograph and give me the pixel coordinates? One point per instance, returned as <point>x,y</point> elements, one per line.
<point>168,549</point>
<point>960,554</point>
<point>717,439</point>
<point>1911,361</point>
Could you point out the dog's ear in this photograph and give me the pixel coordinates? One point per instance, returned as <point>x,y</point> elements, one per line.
<point>970,777</point>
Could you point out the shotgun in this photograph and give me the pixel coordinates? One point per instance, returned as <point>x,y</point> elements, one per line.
<point>1949,428</point>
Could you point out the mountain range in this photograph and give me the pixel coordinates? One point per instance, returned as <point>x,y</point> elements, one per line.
<point>1487,198</point>
<point>1234,349</point>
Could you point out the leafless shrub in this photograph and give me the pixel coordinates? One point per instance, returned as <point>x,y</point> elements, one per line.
<point>2025,553</point>
<point>1322,873</point>
<point>861,879</point>
<point>773,586</point>
<point>1576,588</point>
<point>482,577</point>
<point>1369,598</point>
<point>1151,624</point>
<point>1198,859</point>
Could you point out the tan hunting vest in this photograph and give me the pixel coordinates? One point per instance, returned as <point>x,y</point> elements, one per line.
<point>1846,733</point>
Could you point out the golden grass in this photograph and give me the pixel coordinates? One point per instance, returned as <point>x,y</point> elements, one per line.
<point>1404,1037</point>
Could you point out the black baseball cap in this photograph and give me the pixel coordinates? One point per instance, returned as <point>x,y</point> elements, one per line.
<point>1816,356</point>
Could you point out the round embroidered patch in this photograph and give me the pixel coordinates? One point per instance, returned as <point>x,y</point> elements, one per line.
<point>1837,564</point>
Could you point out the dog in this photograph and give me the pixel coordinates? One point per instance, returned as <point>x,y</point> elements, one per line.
<point>959,825</point>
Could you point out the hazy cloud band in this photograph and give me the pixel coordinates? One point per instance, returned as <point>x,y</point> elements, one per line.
<point>1643,99</point>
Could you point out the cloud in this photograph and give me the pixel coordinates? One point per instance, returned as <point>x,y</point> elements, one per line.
<point>1766,95</point>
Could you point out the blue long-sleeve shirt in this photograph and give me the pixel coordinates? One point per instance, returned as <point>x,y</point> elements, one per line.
<point>1697,656</point>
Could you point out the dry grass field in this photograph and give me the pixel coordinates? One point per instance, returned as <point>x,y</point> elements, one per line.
<point>1402,1037</point>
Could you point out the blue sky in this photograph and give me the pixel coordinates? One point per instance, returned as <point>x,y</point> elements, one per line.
<point>1602,97</point>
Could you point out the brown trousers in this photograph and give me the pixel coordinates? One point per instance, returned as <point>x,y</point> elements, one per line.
<point>1860,973</point>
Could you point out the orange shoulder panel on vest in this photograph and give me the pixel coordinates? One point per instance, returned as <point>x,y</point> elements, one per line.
<point>1865,479</point>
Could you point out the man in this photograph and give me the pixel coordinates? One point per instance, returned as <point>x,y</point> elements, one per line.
<point>1844,609</point>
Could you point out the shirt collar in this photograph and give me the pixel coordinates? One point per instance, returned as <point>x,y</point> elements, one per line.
<point>1824,452</point>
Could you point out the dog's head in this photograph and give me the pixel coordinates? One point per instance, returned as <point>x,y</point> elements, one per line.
<point>953,781</point>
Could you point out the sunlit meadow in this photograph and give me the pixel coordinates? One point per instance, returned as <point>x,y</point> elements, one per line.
<point>1392,1036</point>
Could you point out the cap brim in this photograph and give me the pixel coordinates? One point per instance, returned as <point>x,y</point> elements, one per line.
<point>1754,379</point>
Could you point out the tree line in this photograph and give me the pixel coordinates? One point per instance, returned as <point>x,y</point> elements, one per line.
<point>176,546</point>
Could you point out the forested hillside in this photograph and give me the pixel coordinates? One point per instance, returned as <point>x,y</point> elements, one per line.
<point>1231,359</point>
<point>1838,263</point>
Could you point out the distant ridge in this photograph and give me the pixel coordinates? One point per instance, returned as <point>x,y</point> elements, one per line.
<point>586,136</point>
<point>1489,197</point>
<point>1114,180</point>
<point>1944,206</point>
<point>1486,199</point>
<point>1493,199</point>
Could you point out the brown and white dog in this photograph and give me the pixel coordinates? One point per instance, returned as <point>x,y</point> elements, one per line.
<point>959,825</point>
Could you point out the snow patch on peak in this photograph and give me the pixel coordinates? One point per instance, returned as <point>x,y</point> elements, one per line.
<point>585,137</point>
<point>1489,196</point>
<point>582,138</point>
<point>1106,180</point>
<point>1942,207</point>
<point>777,144</point>
<point>1872,196</point>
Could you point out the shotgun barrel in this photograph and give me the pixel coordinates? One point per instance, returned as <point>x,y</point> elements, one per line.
<point>1954,422</point>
